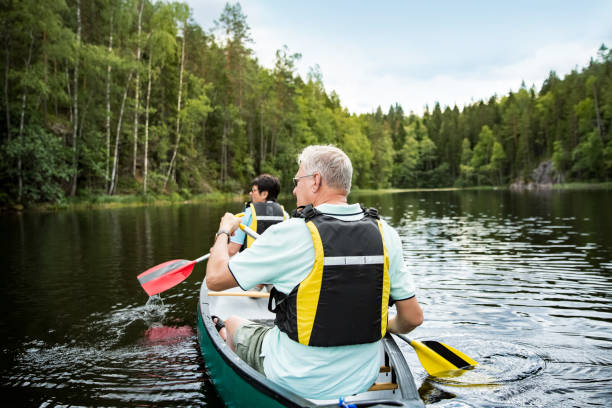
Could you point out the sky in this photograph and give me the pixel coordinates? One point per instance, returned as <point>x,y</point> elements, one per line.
<point>419,53</point>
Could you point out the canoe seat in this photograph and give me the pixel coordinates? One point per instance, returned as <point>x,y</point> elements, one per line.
<point>385,369</point>
<point>383,386</point>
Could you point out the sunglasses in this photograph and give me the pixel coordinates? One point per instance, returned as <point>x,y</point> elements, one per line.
<point>296,179</point>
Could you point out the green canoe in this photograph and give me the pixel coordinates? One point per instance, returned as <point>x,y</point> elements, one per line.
<point>239,385</point>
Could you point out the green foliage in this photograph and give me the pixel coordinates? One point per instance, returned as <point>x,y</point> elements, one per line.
<point>44,166</point>
<point>561,157</point>
<point>417,163</point>
<point>607,159</point>
<point>382,146</point>
<point>484,148</point>
<point>485,165</point>
<point>404,172</point>
<point>356,145</point>
<point>585,114</point>
<point>237,119</point>
<point>467,176</point>
<point>466,151</point>
<point>496,165</point>
<point>588,157</point>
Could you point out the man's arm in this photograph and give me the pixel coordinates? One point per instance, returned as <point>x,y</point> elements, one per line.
<point>233,248</point>
<point>409,316</point>
<point>218,275</point>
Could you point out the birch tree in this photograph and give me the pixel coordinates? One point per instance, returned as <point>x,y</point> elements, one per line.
<point>137,99</point>
<point>22,118</point>
<point>108,104</point>
<point>6,23</point>
<point>145,159</point>
<point>161,43</point>
<point>182,13</point>
<point>75,105</point>
<point>114,175</point>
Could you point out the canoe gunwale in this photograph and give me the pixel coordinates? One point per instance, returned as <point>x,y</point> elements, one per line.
<point>241,368</point>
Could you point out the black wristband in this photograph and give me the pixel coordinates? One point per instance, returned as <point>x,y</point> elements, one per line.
<point>222,232</point>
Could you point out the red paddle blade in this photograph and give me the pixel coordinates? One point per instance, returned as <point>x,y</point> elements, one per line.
<point>165,276</point>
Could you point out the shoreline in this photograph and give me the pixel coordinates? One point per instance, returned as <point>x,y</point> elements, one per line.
<point>604,185</point>
<point>105,202</point>
<point>136,200</point>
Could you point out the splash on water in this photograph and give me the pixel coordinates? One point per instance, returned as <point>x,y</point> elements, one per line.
<point>503,368</point>
<point>163,360</point>
<point>154,310</point>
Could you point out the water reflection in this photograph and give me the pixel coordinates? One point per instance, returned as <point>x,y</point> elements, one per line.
<point>520,282</point>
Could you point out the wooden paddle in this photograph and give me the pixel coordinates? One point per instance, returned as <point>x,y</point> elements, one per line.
<point>169,274</point>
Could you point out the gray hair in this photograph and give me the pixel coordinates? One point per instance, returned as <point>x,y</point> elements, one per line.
<point>331,163</point>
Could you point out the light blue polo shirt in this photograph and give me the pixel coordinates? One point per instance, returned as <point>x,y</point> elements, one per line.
<point>284,256</point>
<point>239,235</point>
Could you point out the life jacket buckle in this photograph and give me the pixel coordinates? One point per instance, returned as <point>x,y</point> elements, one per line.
<point>297,213</point>
<point>275,300</point>
<point>371,212</point>
<point>309,212</point>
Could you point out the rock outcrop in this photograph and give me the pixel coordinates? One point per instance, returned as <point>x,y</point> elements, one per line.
<point>542,178</point>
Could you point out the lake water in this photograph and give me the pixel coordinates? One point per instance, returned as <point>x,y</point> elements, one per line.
<point>521,282</point>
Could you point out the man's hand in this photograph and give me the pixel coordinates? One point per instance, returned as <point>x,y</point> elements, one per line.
<point>218,275</point>
<point>229,222</point>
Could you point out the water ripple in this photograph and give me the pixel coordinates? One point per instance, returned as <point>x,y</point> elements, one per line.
<point>520,282</point>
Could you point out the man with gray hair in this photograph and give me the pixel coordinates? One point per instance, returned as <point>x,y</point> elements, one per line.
<point>334,269</point>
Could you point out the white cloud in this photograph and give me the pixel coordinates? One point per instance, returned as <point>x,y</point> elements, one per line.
<point>362,92</point>
<point>366,78</point>
<point>413,75</point>
<point>559,57</point>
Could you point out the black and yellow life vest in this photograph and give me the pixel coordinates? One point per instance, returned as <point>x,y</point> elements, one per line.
<point>344,299</point>
<point>263,215</point>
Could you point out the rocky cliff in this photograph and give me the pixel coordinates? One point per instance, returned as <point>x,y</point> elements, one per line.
<point>542,178</point>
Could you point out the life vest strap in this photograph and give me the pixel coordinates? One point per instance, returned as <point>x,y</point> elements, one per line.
<point>354,260</point>
<point>270,218</point>
<point>308,212</point>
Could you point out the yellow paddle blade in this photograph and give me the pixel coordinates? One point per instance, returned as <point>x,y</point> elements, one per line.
<point>438,358</point>
<point>464,357</point>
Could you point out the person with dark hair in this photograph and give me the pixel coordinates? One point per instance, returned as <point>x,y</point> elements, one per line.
<point>260,213</point>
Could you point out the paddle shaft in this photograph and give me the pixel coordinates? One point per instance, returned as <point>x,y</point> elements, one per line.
<point>242,227</point>
<point>405,338</point>
<point>169,274</point>
<point>249,293</point>
<point>249,231</point>
<point>202,258</point>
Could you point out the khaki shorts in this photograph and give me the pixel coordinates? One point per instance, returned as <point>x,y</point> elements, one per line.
<point>248,339</point>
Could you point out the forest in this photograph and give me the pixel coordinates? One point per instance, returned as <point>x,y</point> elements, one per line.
<point>108,97</point>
